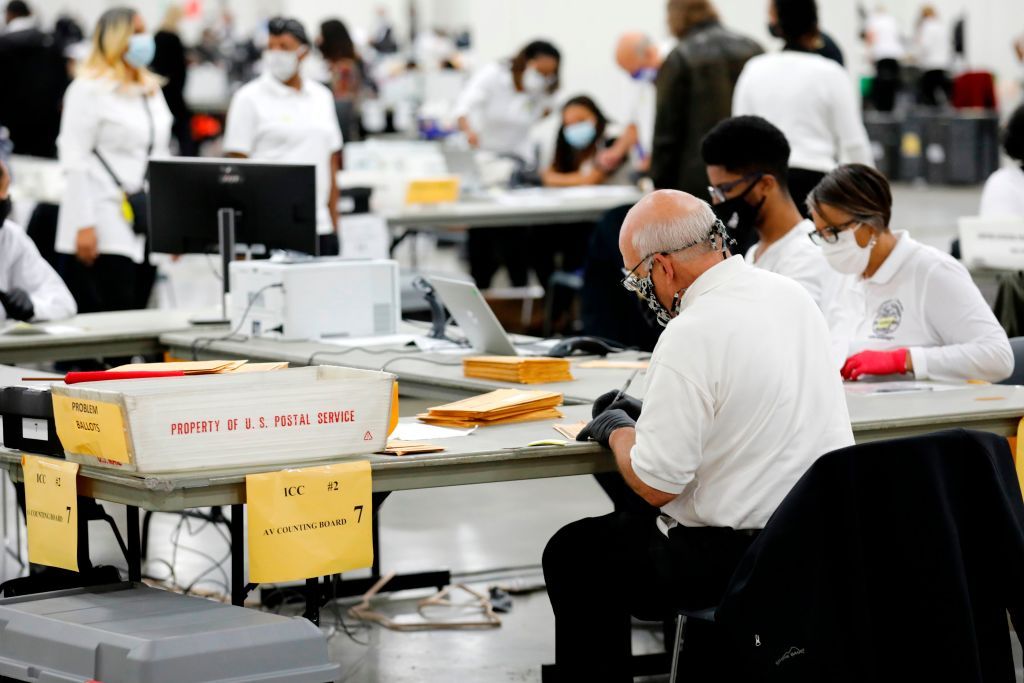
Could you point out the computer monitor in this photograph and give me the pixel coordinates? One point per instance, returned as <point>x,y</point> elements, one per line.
<point>274,205</point>
<point>204,205</point>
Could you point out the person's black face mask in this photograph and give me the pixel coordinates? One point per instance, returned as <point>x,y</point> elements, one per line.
<point>740,217</point>
<point>5,209</point>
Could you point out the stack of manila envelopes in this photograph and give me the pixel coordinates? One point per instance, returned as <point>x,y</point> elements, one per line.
<point>504,406</point>
<point>533,370</point>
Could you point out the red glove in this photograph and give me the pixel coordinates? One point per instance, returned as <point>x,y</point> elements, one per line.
<point>875,363</point>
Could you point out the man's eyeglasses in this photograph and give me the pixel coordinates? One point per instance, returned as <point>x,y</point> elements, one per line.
<point>830,233</point>
<point>718,192</point>
<point>637,285</point>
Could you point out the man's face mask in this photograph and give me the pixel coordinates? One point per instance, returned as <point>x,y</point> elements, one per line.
<point>738,215</point>
<point>644,288</point>
<point>5,209</point>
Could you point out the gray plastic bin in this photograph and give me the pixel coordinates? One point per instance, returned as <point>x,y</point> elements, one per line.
<point>134,634</point>
<point>885,134</point>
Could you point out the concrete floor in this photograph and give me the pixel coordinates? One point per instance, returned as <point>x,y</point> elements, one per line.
<point>483,533</point>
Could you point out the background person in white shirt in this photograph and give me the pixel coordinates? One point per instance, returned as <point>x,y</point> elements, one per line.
<point>30,290</point>
<point>1003,196</point>
<point>638,56</point>
<point>885,48</point>
<point>747,159</point>
<point>496,110</point>
<point>720,438</point>
<point>922,313</point>
<point>114,110</point>
<point>933,53</point>
<point>283,117</point>
<point>810,99</point>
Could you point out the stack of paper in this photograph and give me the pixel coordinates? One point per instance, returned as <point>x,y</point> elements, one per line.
<point>535,370</point>
<point>503,406</point>
<point>202,367</point>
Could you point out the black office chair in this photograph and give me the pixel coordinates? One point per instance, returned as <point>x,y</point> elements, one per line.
<point>893,560</point>
<point>1017,378</point>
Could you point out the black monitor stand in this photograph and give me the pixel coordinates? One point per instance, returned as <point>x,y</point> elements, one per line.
<point>226,231</point>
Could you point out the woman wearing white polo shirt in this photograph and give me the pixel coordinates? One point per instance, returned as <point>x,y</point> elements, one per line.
<point>284,117</point>
<point>921,312</point>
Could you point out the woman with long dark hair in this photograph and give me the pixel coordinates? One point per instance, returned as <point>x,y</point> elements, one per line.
<point>496,111</point>
<point>350,80</point>
<point>580,138</point>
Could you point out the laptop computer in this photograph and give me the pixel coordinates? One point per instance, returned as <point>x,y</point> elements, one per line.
<point>474,316</point>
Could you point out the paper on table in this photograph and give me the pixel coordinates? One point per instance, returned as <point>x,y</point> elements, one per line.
<point>615,364</point>
<point>396,447</point>
<point>571,430</point>
<point>897,387</point>
<point>383,340</point>
<point>412,431</point>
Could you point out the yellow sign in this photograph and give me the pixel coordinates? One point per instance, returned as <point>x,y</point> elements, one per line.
<point>433,191</point>
<point>51,507</point>
<point>93,428</point>
<point>910,145</point>
<point>309,522</point>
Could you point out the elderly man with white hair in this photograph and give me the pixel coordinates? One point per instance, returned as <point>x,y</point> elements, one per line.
<point>640,58</point>
<point>742,397</point>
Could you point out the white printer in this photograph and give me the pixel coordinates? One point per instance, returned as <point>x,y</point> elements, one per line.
<point>315,298</point>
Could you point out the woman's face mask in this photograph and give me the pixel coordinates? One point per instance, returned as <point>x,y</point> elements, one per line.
<point>141,50</point>
<point>534,82</point>
<point>281,64</point>
<point>580,135</point>
<point>845,255</point>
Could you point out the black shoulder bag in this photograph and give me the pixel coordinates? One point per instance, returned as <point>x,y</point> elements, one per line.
<point>135,205</point>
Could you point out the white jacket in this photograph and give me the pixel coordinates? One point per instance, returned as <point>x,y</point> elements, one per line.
<point>22,267</point>
<point>100,114</point>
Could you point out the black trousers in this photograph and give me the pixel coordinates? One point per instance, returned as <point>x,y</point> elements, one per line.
<point>602,570</point>
<point>491,248</point>
<point>886,85</point>
<point>801,182</point>
<point>934,89</point>
<point>111,283</point>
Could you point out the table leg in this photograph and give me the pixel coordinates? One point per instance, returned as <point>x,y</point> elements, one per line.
<point>238,587</point>
<point>313,600</point>
<point>134,545</point>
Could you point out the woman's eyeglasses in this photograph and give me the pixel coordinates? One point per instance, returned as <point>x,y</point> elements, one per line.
<point>830,233</point>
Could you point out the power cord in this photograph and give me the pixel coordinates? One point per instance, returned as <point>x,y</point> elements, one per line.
<point>229,336</point>
<point>419,360</point>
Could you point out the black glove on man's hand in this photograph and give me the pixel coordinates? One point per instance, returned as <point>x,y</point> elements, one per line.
<point>601,427</point>
<point>18,304</point>
<point>607,401</point>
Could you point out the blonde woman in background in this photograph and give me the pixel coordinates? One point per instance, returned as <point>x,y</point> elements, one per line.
<point>114,119</point>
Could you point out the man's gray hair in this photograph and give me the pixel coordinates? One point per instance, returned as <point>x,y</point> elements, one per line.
<point>694,227</point>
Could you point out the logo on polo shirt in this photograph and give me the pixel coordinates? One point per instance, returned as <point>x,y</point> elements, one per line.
<point>887,319</point>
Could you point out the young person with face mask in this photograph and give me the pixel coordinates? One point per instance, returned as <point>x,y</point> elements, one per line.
<point>115,117</point>
<point>30,290</point>
<point>721,436</point>
<point>496,111</point>
<point>581,138</point>
<point>748,164</point>
<point>283,117</point>
<point>921,313</point>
